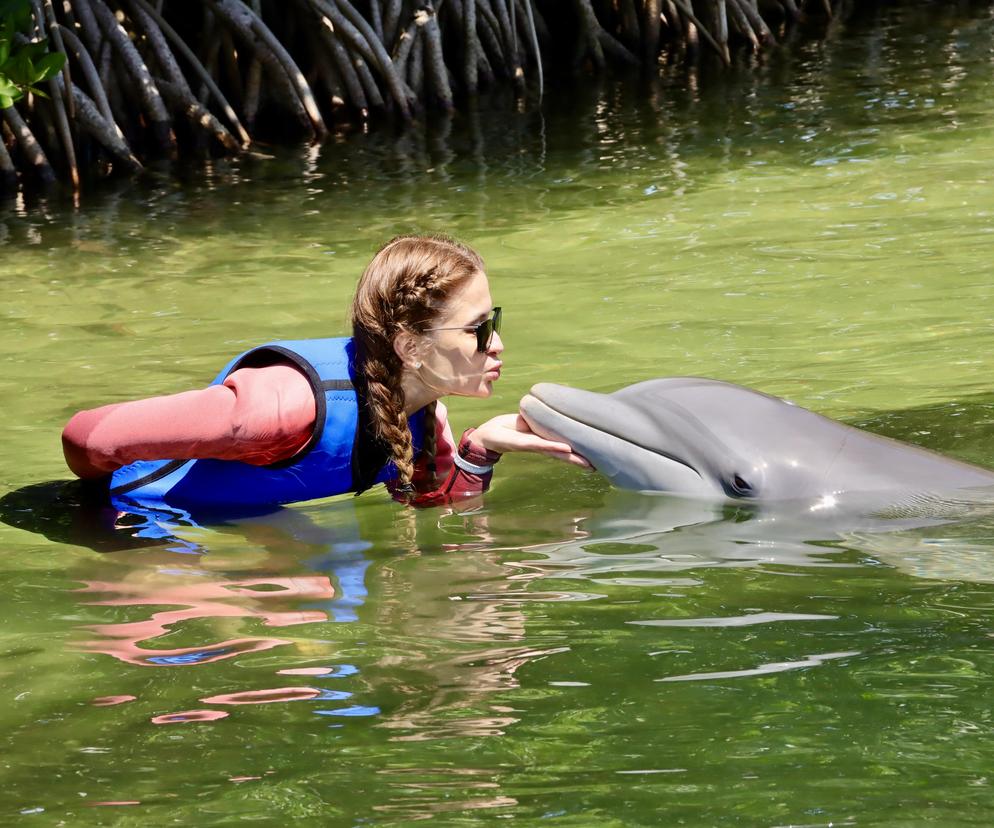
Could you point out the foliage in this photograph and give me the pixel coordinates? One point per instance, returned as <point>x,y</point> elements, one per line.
<point>26,63</point>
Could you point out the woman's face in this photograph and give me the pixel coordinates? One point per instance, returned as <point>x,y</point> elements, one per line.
<point>450,361</point>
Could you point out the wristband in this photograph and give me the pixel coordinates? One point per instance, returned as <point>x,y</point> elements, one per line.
<point>473,458</point>
<point>470,468</point>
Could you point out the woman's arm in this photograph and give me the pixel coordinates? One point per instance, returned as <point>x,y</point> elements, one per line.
<point>479,449</point>
<point>466,476</point>
<point>257,416</point>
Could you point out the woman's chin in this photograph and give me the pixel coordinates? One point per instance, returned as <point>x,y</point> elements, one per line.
<point>484,389</point>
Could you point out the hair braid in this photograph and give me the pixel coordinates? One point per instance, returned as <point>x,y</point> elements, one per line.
<point>385,398</point>
<point>428,442</point>
<point>403,288</point>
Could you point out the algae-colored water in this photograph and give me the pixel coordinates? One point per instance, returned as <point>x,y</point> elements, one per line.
<point>561,653</point>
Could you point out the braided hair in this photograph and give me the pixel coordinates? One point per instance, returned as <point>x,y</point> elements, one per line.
<point>403,289</point>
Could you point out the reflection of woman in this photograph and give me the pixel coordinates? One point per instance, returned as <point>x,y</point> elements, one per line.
<point>311,418</point>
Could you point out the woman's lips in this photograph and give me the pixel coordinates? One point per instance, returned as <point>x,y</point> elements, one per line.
<point>493,373</point>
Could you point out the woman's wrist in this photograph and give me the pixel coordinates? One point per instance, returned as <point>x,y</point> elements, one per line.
<point>473,456</point>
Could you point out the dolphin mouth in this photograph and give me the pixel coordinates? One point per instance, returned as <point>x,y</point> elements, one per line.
<point>533,403</point>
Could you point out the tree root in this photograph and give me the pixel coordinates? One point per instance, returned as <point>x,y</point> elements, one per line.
<point>536,51</point>
<point>350,24</point>
<point>33,154</point>
<point>103,132</point>
<point>159,121</point>
<point>399,56</point>
<point>343,63</point>
<point>198,69</point>
<point>251,30</point>
<point>199,116</point>
<point>8,172</point>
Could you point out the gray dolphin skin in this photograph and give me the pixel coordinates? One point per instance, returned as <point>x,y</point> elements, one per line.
<point>715,440</point>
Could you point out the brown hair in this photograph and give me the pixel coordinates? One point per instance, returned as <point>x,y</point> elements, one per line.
<point>403,289</point>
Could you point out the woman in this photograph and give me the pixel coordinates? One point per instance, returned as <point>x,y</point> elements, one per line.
<point>302,419</point>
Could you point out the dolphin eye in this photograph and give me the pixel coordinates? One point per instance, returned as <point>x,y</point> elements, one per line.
<point>741,486</point>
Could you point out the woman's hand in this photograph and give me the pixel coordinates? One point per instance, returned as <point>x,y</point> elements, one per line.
<point>510,432</point>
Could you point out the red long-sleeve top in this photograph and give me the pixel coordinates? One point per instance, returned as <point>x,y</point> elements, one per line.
<point>257,416</point>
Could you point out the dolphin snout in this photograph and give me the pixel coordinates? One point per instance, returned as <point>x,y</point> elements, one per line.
<point>547,391</point>
<point>554,411</point>
<point>574,403</point>
<point>538,416</point>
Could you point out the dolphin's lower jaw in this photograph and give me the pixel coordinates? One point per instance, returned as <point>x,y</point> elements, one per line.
<point>626,464</point>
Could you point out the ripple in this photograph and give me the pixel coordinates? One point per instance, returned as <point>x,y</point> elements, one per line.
<point>274,694</point>
<point>355,710</point>
<point>189,716</point>
<point>107,701</point>
<point>531,597</point>
<point>763,669</point>
<point>734,620</point>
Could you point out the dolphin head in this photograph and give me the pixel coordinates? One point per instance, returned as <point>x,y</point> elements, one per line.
<point>689,436</point>
<point>641,438</point>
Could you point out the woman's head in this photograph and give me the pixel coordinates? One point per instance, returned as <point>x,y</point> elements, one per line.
<point>413,319</point>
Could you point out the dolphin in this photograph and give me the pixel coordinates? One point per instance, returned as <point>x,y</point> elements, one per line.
<point>709,439</point>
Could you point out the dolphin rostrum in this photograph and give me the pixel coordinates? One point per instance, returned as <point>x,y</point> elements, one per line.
<point>715,440</point>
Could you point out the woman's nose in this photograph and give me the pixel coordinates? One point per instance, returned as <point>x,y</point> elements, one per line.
<point>496,344</point>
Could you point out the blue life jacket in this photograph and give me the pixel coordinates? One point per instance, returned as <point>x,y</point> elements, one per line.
<point>321,469</point>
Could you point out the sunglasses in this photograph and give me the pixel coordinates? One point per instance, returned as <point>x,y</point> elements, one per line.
<point>484,331</point>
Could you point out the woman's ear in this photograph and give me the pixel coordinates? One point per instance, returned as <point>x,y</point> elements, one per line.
<point>408,349</point>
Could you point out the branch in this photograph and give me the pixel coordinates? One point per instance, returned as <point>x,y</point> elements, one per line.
<point>105,133</point>
<point>198,69</point>
<point>149,94</point>
<point>244,22</point>
<point>33,153</point>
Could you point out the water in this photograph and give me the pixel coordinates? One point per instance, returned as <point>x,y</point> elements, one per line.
<point>560,652</point>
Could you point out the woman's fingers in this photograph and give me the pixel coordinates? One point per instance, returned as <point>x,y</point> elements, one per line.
<point>570,457</point>
<point>575,459</point>
<point>511,432</point>
<point>556,449</point>
<point>532,442</point>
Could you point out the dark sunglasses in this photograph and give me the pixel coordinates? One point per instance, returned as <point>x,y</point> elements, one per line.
<point>484,331</point>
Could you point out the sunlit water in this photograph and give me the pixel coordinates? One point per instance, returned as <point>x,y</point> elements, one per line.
<point>819,228</point>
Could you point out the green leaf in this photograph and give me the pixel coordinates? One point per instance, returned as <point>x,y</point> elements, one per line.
<point>49,66</point>
<point>20,69</point>
<point>35,50</point>
<point>34,90</point>
<point>17,13</point>
<point>6,102</point>
<point>4,50</point>
<point>7,88</point>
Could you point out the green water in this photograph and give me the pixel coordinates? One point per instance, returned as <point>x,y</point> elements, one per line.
<point>819,228</point>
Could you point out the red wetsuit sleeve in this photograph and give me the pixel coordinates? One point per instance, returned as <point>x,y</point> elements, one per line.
<point>456,482</point>
<point>257,416</point>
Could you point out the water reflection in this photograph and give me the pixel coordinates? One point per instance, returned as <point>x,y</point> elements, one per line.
<point>643,540</point>
<point>139,642</point>
<point>449,625</point>
<point>450,636</point>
